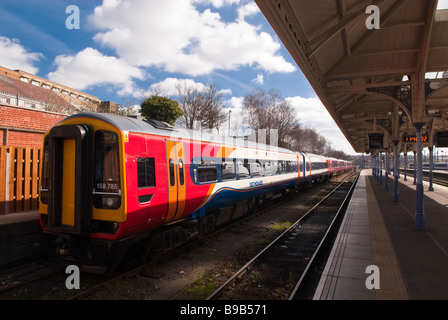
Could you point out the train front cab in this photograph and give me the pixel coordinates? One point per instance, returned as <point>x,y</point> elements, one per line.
<point>83,212</point>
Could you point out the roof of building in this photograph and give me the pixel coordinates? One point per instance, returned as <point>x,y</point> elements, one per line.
<point>370,80</point>
<point>26,90</point>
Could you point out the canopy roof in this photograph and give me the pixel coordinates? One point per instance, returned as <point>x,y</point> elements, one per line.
<point>370,80</point>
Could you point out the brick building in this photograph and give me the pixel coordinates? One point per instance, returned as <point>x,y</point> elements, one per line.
<point>30,105</point>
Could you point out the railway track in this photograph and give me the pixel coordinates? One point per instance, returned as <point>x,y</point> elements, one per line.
<point>52,283</point>
<point>441,179</point>
<point>278,271</point>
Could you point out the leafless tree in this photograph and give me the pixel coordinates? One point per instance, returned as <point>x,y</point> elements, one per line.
<point>130,107</point>
<point>203,106</point>
<point>309,140</point>
<point>213,113</point>
<point>189,98</point>
<point>267,110</point>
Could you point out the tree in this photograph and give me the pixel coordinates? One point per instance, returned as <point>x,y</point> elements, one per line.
<point>161,108</point>
<point>213,114</point>
<point>203,106</point>
<point>267,110</point>
<point>309,140</point>
<point>130,108</point>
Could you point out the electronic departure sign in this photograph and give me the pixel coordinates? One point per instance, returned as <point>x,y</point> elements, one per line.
<point>414,138</point>
<point>441,139</point>
<point>376,140</point>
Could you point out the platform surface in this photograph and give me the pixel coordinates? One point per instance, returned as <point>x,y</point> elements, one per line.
<point>377,231</point>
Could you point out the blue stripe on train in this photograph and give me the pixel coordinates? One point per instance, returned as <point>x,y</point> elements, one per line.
<point>226,196</point>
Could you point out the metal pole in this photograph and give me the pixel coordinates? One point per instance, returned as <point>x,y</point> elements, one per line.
<point>406,167</point>
<point>415,167</point>
<point>381,168</point>
<point>386,184</point>
<point>419,208</point>
<point>230,111</point>
<point>396,170</point>
<point>431,165</point>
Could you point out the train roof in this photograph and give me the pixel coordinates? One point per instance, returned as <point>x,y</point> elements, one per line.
<point>133,124</point>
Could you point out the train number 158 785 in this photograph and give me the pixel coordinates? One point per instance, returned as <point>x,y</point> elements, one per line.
<point>107,186</point>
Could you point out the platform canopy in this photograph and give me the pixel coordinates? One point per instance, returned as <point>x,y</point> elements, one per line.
<point>370,80</point>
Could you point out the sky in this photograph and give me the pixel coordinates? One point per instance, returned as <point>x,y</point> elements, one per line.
<point>120,50</point>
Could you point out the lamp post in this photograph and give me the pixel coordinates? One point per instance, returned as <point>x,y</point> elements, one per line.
<point>230,111</point>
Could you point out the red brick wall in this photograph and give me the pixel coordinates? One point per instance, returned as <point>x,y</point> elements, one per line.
<point>26,119</point>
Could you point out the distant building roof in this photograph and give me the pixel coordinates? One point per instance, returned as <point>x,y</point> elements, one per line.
<point>50,95</point>
<point>47,98</point>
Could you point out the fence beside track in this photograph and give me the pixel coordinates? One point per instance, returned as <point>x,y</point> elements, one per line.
<point>19,178</point>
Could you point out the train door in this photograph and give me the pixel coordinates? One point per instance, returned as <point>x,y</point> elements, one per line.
<point>68,183</point>
<point>177,191</point>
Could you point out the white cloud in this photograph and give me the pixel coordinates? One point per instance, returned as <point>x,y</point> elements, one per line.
<point>313,114</point>
<point>217,3</point>
<point>248,10</point>
<point>14,56</point>
<point>236,103</point>
<point>442,4</point>
<point>90,67</point>
<point>259,79</point>
<point>175,36</point>
<point>168,87</point>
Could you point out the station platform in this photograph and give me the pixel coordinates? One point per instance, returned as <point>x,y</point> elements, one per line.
<point>376,231</point>
<point>21,239</point>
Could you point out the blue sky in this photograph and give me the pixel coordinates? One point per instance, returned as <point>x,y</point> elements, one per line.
<point>125,48</point>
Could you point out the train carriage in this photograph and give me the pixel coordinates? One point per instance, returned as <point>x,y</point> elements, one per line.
<point>110,183</point>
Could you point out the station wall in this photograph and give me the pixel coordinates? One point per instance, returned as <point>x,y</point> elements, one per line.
<point>24,127</point>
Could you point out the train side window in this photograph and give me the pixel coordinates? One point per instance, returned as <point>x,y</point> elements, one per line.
<point>228,169</point>
<point>282,167</point>
<point>292,166</point>
<point>107,171</point>
<point>181,172</point>
<point>146,173</point>
<point>171,164</point>
<point>207,175</point>
<point>255,169</point>
<point>266,168</point>
<point>289,166</point>
<point>243,169</point>
<point>206,170</point>
<point>274,167</point>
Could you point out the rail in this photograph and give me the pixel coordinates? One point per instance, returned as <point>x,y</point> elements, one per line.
<point>277,243</point>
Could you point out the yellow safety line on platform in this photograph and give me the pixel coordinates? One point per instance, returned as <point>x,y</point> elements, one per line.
<point>391,282</point>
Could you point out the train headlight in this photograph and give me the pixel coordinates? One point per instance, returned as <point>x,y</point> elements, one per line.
<point>110,202</point>
<point>106,201</point>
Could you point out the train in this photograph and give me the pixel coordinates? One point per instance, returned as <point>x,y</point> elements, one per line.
<point>114,185</point>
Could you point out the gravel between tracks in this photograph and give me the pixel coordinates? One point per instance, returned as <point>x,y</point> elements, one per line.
<point>198,271</point>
